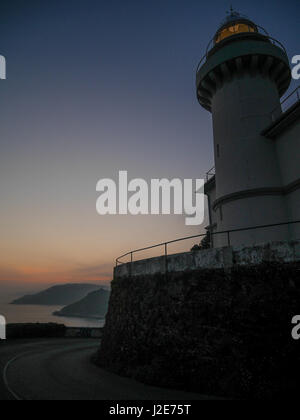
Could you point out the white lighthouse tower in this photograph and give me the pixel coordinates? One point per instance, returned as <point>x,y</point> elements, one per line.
<point>240,81</point>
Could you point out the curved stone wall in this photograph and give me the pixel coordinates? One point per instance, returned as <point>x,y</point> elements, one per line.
<point>216,331</point>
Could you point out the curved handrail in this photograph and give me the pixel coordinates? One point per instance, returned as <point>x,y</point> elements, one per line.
<point>277,43</point>
<point>209,174</point>
<point>225,232</point>
<point>279,108</point>
<point>263,29</point>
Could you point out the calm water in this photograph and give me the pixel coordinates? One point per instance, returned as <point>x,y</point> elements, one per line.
<point>43,314</point>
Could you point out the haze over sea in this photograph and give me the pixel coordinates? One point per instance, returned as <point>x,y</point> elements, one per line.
<point>19,314</point>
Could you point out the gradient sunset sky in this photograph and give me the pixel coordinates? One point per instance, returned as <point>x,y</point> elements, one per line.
<point>95,87</point>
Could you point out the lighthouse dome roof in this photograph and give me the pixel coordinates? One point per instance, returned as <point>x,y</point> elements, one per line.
<point>235,23</point>
<point>234,16</point>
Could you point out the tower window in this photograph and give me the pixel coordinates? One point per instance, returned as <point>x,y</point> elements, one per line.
<point>234,29</point>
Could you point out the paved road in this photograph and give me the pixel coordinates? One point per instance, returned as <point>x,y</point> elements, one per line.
<point>60,369</point>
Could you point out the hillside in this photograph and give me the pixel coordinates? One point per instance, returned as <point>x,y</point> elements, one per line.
<point>94,305</point>
<point>57,295</point>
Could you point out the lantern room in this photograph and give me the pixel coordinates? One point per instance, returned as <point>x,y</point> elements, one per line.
<point>235,24</point>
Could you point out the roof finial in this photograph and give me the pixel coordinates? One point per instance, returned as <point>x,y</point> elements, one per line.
<point>232,12</point>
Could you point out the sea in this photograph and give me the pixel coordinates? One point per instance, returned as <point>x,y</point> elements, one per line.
<point>20,314</point>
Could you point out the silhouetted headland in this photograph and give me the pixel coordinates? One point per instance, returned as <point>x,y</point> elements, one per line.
<point>57,295</point>
<point>94,305</point>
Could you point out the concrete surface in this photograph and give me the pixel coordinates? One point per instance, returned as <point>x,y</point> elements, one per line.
<point>61,369</point>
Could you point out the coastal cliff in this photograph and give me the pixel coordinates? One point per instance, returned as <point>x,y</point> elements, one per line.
<point>94,305</point>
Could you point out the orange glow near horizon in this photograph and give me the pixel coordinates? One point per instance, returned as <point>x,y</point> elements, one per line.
<point>87,260</point>
<point>40,276</point>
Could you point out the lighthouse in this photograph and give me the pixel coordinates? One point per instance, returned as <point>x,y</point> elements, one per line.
<point>240,81</point>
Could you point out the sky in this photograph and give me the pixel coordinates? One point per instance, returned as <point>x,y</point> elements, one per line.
<point>94,87</point>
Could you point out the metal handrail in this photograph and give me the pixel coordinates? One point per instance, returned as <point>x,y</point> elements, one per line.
<point>210,174</point>
<point>296,93</point>
<point>277,43</point>
<point>227,232</point>
<point>265,34</point>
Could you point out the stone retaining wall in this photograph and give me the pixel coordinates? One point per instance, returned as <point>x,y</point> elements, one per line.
<point>223,330</point>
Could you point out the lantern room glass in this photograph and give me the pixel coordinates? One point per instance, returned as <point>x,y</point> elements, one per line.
<point>234,29</point>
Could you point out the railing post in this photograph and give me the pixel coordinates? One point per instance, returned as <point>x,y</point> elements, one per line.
<point>228,237</point>
<point>166,261</point>
<point>211,238</point>
<point>131,261</point>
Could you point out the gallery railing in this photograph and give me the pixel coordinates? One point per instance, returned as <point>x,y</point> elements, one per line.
<point>261,31</point>
<point>228,234</point>
<point>210,174</point>
<point>287,103</point>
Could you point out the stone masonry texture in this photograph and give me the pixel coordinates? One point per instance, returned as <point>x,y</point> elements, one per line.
<point>218,332</point>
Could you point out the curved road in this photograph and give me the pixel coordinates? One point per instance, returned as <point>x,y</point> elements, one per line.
<point>60,369</point>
